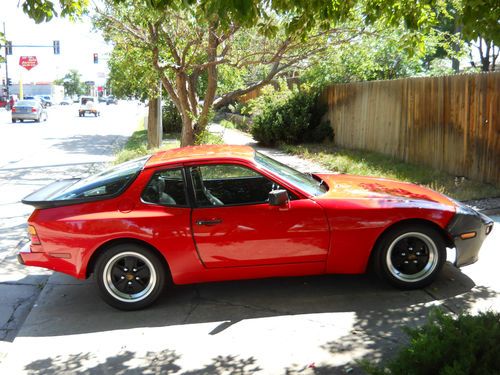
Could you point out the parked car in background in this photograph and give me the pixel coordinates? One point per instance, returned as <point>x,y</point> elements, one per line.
<point>88,104</point>
<point>66,101</point>
<point>29,110</point>
<point>48,100</point>
<point>46,103</point>
<point>215,213</point>
<point>111,100</point>
<point>9,102</point>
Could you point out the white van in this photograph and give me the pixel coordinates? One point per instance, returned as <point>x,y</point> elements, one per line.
<point>88,104</point>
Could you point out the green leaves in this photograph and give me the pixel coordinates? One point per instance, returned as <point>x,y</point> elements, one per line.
<point>480,18</point>
<point>446,345</point>
<point>45,10</point>
<point>72,83</point>
<point>2,43</point>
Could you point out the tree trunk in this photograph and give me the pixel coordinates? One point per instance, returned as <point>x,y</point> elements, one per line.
<point>154,125</point>
<point>187,134</point>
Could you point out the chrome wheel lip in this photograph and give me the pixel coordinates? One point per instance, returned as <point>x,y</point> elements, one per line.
<point>125,297</point>
<point>429,267</point>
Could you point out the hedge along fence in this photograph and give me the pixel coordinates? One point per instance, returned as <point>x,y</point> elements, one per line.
<point>449,123</point>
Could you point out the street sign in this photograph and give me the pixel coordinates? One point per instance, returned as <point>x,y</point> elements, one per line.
<point>28,62</point>
<point>90,83</point>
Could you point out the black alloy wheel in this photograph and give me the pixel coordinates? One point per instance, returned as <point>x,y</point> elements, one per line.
<point>129,276</point>
<point>411,256</point>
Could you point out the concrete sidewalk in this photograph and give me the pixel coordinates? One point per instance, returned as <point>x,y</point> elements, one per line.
<point>236,137</point>
<point>292,326</point>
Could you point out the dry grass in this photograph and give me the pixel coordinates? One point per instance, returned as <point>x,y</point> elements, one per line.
<point>374,164</point>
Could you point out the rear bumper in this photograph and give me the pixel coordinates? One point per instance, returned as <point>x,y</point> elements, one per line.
<point>467,220</point>
<point>25,116</point>
<point>52,262</point>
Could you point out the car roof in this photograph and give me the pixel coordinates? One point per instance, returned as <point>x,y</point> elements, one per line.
<point>200,153</point>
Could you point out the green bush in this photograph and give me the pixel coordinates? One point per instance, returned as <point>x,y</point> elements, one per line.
<point>171,118</point>
<point>467,345</point>
<point>289,116</point>
<point>207,138</point>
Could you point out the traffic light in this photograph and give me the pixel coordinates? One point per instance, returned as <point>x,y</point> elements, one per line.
<point>9,81</point>
<point>96,58</point>
<point>8,48</point>
<point>56,47</point>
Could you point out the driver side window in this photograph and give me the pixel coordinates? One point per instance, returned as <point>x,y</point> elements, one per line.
<point>229,185</point>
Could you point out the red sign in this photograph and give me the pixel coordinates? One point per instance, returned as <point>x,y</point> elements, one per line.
<point>28,62</point>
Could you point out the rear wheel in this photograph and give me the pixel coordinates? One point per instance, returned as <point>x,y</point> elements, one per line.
<point>411,256</point>
<point>14,120</point>
<point>130,276</point>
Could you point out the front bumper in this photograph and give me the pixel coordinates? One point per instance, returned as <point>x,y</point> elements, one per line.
<point>468,222</point>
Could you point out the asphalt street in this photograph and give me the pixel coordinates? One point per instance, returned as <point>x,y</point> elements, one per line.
<point>306,325</point>
<point>33,155</point>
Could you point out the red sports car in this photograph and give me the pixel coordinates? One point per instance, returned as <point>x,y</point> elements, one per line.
<point>212,213</point>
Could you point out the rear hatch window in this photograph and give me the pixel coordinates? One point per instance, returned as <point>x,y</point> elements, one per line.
<point>106,184</point>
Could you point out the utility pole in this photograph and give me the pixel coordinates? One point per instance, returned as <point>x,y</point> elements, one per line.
<point>6,67</point>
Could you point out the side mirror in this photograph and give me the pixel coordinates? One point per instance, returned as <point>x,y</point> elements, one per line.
<point>278,197</point>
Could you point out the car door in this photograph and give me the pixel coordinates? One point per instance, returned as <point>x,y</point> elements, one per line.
<point>233,224</point>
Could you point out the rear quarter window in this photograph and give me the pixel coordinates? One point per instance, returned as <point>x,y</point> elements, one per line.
<point>107,183</point>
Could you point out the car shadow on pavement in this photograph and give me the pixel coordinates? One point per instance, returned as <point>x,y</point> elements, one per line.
<point>67,306</point>
<point>69,301</point>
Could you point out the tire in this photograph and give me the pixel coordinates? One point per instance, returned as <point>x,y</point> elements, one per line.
<point>14,121</point>
<point>130,276</point>
<point>38,119</point>
<point>410,256</point>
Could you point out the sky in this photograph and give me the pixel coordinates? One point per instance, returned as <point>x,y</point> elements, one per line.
<point>78,43</point>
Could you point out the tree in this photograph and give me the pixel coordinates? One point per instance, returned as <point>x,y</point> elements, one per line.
<point>188,41</point>
<point>45,10</point>
<point>72,83</point>
<point>2,43</point>
<point>471,22</point>
<point>131,75</point>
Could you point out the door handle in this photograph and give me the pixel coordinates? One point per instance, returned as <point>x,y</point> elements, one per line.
<point>209,222</point>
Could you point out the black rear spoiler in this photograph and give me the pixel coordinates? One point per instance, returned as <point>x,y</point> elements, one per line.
<point>41,198</point>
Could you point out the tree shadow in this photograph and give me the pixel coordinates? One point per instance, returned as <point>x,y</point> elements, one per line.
<point>163,362</point>
<point>91,144</point>
<point>379,314</point>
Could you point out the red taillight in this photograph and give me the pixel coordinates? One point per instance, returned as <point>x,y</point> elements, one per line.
<point>33,109</point>
<point>13,109</point>
<point>33,235</point>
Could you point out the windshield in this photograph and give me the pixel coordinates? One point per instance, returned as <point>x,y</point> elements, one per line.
<point>303,181</point>
<point>109,182</point>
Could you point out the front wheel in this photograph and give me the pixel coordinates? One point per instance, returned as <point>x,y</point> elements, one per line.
<point>130,276</point>
<point>411,256</point>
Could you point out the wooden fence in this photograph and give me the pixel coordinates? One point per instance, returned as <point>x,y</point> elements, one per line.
<point>449,123</point>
